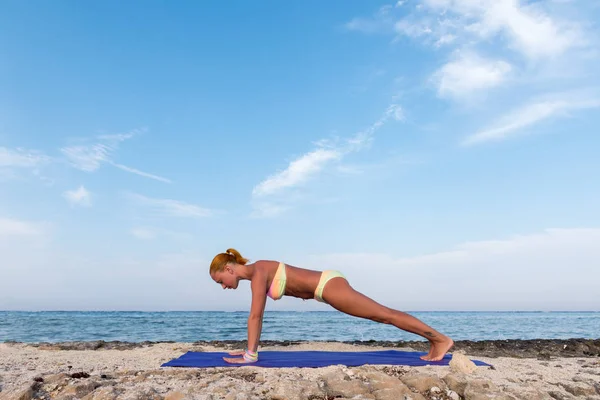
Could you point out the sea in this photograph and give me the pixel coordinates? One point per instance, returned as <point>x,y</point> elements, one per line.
<point>188,326</point>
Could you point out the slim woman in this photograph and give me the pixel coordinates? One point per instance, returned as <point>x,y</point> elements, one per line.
<point>276,279</point>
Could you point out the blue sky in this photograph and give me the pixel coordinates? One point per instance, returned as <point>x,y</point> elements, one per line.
<point>442,153</point>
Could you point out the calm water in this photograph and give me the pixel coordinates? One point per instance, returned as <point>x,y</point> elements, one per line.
<point>192,326</point>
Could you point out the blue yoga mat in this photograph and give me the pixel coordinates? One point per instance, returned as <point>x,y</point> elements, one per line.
<point>310,359</point>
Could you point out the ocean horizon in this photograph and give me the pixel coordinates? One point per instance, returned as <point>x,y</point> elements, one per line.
<point>191,326</point>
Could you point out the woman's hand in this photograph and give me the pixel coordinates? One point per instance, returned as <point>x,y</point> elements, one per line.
<point>240,360</point>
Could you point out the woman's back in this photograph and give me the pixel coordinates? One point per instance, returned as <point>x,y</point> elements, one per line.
<point>300,282</point>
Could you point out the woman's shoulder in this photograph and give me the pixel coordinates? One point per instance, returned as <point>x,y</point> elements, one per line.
<point>266,264</point>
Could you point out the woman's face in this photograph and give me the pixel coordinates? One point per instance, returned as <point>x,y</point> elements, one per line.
<point>226,278</point>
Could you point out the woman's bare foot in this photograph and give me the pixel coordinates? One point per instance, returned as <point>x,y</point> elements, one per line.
<point>438,349</point>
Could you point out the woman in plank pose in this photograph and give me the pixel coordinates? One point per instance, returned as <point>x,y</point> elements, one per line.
<point>276,279</point>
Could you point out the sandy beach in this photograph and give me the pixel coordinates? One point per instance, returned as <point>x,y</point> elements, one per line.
<point>116,370</point>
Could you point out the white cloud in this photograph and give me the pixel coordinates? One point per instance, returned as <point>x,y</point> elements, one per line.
<point>514,123</point>
<point>172,208</point>
<point>13,160</point>
<point>470,73</point>
<point>445,39</point>
<point>80,196</point>
<point>527,272</point>
<point>530,30</point>
<point>15,227</point>
<point>141,173</point>
<point>307,166</point>
<point>89,157</point>
<point>21,158</point>
<point>530,40</point>
<point>381,22</point>
<point>297,172</point>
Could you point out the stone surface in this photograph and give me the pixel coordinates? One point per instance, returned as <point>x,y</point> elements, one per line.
<point>77,390</point>
<point>401,392</point>
<point>478,389</point>
<point>456,382</point>
<point>175,396</point>
<point>345,388</point>
<point>379,380</point>
<point>462,364</point>
<point>22,393</point>
<point>579,389</point>
<point>422,382</point>
<point>103,393</point>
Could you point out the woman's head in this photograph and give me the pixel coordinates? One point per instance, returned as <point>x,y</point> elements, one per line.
<point>223,268</point>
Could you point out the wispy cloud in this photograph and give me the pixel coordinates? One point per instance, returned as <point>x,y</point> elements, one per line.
<point>140,173</point>
<point>90,156</point>
<point>15,227</point>
<point>469,73</point>
<point>14,160</point>
<point>514,123</point>
<point>79,197</point>
<point>299,171</point>
<point>172,208</point>
<point>381,22</point>
<point>307,166</point>
<point>532,35</point>
<point>527,29</point>
<point>21,158</point>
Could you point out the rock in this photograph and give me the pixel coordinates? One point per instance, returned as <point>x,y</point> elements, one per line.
<point>400,392</point>
<point>452,394</point>
<point>175,396</point>
<point>22,393</point>
<point>457,383</point>
<point>422,382</point>
<point>79,375</point>
<point>379,381</point>
<point>77,390</point>
<point>103,393</point>
<point>559,396</point>
<point>461,363</point>
<point>477,388</point>
<point>144,394</point>
<point>530,394</point>
<point>413,396</point>
<point>579,390</point>
<point>344,388</point>
<point>56,379</point>
<point>295,390</point>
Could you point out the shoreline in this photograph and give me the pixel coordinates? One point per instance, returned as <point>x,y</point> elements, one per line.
<point>542,349</point>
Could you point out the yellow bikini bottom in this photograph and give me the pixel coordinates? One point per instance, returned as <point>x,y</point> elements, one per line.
<point>277,288</point>
<point>325,277</point>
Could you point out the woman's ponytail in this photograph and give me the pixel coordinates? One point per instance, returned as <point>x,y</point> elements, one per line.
<point>237,256</point>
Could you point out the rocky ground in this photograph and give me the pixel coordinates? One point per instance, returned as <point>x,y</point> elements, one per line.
<point>537,369</point>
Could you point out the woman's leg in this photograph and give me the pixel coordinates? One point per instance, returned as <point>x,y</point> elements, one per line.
<point>341,296</point>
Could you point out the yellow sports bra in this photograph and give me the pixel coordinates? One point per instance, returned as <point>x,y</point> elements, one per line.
<point>277,288</point>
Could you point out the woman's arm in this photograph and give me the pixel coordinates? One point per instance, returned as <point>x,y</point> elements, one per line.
<point>259,298</point>
<point>255,319</point>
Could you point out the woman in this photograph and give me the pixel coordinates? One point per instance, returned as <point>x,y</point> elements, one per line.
<point>276,279</point>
